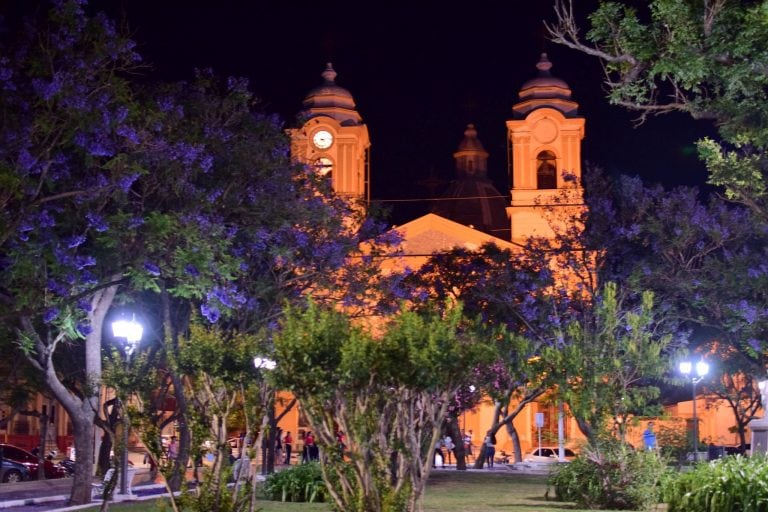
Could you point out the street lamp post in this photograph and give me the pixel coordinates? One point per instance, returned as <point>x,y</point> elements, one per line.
<point>263,363</point>
<point>464,414</point>
<point>131,331</point>
<point>702,368</point>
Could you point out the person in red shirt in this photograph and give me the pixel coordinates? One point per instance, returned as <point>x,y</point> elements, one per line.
<point>312,451</point>
<point>287,445</point>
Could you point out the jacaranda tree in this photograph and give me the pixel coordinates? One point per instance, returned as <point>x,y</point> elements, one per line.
<point>69,127</point>
<point>178,197</point>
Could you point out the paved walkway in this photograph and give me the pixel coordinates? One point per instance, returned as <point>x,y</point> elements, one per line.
<point>53,495</point>
<point>47,495</point>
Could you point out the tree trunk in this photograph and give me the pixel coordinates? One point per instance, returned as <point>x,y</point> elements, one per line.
<point>178,474</point>
<point>43,419</point>
<point>81,485</point>
<point>82,406</point>
<point>170,340</point>
<point>515,437</point>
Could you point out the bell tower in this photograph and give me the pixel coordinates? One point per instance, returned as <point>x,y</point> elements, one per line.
<point>544,136</point>
<point>334,139</point>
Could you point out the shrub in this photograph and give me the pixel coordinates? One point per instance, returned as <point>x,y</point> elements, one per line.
<point>610,475</point>
<point>299,483</point>
<point>675,441</point>
<point>723,485</point>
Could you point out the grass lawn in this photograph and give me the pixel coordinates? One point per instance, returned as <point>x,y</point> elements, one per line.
<point>447,491</point>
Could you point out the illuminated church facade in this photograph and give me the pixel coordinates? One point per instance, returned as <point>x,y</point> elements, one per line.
<point>544,136</point>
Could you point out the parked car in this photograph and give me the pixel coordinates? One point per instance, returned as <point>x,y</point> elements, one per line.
<point>16,454</point>
<point>11,471</point>
<point>549,454</point>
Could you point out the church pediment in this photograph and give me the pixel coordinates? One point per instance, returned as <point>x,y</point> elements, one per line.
<point>432,233</point>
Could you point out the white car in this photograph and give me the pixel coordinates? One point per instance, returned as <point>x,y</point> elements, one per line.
<point>549,454</point>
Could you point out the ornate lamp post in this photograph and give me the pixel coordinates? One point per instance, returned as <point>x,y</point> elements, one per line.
<point>131,331</point>
<point>702,368</point>
<point>263,363</point>
<point>464,414</point>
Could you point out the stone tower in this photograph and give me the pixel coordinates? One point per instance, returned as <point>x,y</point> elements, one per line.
<point>545,136</point>
<point>334,139</point>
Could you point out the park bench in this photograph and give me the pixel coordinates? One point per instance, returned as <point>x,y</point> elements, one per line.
<point>98,487</point>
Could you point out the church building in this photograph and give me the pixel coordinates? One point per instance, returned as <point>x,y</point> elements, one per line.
<point>544,134</point>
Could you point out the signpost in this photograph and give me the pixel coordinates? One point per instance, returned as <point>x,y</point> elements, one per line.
<point>539,425</point>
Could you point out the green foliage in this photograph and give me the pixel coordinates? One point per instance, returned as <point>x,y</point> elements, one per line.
<point>609,353</point>
<point>706,59</point>
<point>611,475</point>
<point>212,498</point>
<point>302,483</point>
<point>388,391</point>
<point>725,485</point>
<point>674,441</point>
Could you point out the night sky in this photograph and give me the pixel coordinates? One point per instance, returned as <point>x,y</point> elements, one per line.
<point>419,72</point>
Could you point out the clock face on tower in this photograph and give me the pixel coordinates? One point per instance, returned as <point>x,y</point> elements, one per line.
<point>322,139</point>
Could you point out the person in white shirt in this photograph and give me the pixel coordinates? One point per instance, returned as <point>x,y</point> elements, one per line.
<point>449,447</point>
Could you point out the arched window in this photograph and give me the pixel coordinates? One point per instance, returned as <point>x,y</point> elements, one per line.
<point>546,170</point>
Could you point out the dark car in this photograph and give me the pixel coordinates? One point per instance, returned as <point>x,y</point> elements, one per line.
<point>24,457</point>
<point>11,471</point>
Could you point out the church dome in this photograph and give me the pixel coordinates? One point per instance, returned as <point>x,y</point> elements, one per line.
<point>545,90</point>
<point>471,198</point>
<point>331,100</point>
<point>471,157</point>
<point>545,78</point>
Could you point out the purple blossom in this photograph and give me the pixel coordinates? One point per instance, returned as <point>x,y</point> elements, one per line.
<point>26,160</point>
<point>47,89</point>
<point>84,305</point>
<point>75,241</point>
<point>165,103</point>
<point>211,313</point>
<point>135,222</point>
<point>96,222</point>
<point>57,288</point>
<point>6,73</point>
<point>152,268</point>
<point>129,133</point>
<point>747,311</point>
<point>84,328</point>
<point>88,278</point>
<point>755,345</point>
<point>126,182</point>
<point>206,163</point>
<point>84,261</point>
<point>191,270</point>
<point>121,114</point>
<point>46,220</point>
<point>50,315</point>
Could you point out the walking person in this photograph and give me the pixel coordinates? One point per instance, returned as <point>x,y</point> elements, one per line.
<point>490,449</point>
<point>287,445</point>
<point>173,450</point>
<point>467,439</point>
<point>438,457</point>
<point>449,447</point>
<point>649,437</point>
<point>278,447</point>
<point>313,453</point>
